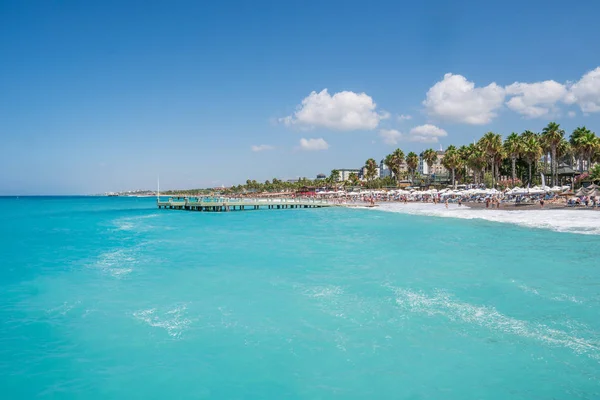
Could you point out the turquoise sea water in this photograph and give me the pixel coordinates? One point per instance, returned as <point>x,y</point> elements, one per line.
<point>112,298</point>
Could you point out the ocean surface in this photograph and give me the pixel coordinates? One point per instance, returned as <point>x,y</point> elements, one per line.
<point>110,298</point>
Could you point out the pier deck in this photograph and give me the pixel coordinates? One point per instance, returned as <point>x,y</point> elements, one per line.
<point>227,204</point>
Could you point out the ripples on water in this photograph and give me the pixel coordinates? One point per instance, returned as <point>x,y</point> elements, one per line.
<point>132,303</point>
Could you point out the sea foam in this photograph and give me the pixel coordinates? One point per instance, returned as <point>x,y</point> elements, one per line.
<point>445,305</point>
<point>572,221</point>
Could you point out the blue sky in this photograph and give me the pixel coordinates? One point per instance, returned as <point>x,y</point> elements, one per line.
<point>104,96</point>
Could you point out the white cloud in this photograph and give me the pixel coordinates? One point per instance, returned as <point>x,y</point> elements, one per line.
<point>534,100</point>
<point>586,92</point>
<point>456,99</point>
<point>344,111</point>
<point>313,144</point>
<point>403,117</point>
<point>423,133</point>
<point>390,136</point>
<point>571,114</point>
<point>426,134</point>
<point>261,147</point>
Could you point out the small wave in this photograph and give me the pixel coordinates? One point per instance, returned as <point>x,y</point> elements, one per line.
<point>64,308</point>
<point>173,320</point>
<point>580,222</point>
<point>133,223</point>
<point>560,297</point>
<point>526,288</point>
<point>324,291</point>
<point>118,263</point>
<point>443,304</point>
<point>566,297</point>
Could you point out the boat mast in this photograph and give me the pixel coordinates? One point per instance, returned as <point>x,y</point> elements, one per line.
<point>157,188</point>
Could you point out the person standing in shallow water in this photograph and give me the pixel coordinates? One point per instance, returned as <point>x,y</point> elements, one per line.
<point>446,202</point>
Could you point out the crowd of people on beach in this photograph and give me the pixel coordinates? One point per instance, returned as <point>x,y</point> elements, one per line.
<point>475,195</point>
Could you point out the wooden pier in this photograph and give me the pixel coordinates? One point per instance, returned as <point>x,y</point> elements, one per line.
<point>228,204</point>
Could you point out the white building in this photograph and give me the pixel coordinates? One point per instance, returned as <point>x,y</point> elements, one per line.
<point>363,173</point>
<point>344,174</point>
<point>437,168</point>
<point>384,170</point>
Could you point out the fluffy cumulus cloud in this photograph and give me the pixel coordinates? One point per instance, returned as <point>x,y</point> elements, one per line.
<point>390,136</point>
<point>313,144</point>
<point>426,134</point>
<point>261,147</point>
<point>586,92</point>
<point>534,100</point>
<point>423,134</point>
<point>344,111</point>
<point>456,99</point>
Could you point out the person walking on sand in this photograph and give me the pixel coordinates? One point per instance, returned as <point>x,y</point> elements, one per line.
<point>446,202</point>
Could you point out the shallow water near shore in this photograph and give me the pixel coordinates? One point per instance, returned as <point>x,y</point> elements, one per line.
<point>586,222</point>
<point>112,298</point>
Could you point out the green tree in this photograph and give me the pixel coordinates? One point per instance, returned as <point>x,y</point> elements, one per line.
<point>388,161</point>
<point>586,144</point>
<point>397,161</point>
<point>334,176</point>
<point>370,170</point>
<point>531,150</point>
<point>412,162</point>
<point>452,161</point>
<point>430,156</point>
<point>513,147</point>
<point>595,173</point>
<point>475,159</point>
<point>491,144</point>
<point>552,136</point>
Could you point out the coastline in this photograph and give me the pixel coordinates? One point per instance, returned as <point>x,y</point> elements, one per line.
<point>558,218</point>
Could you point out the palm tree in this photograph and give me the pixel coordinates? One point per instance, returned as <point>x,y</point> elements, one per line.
<point>463,154</point>
<point>397,161</point>
<point>531,149</point>
<point>575,144</point>
<point>513,148</point>
<point>388,161</point>
<point>452,161</point>
<point>475,159</point>
<point>552,135</point>
<point>371,169</point>
<point>491,144</point>
<point>430,156</point>
<point>334,176</point>
<point>587,143</point>
<point>353,178</point>
<point>412,162</point>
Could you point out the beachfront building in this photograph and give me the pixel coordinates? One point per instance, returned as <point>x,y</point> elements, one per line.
<point>363,173</point>
<point>384,171</point>
<point>436,169</point>
<point>344,174</point>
